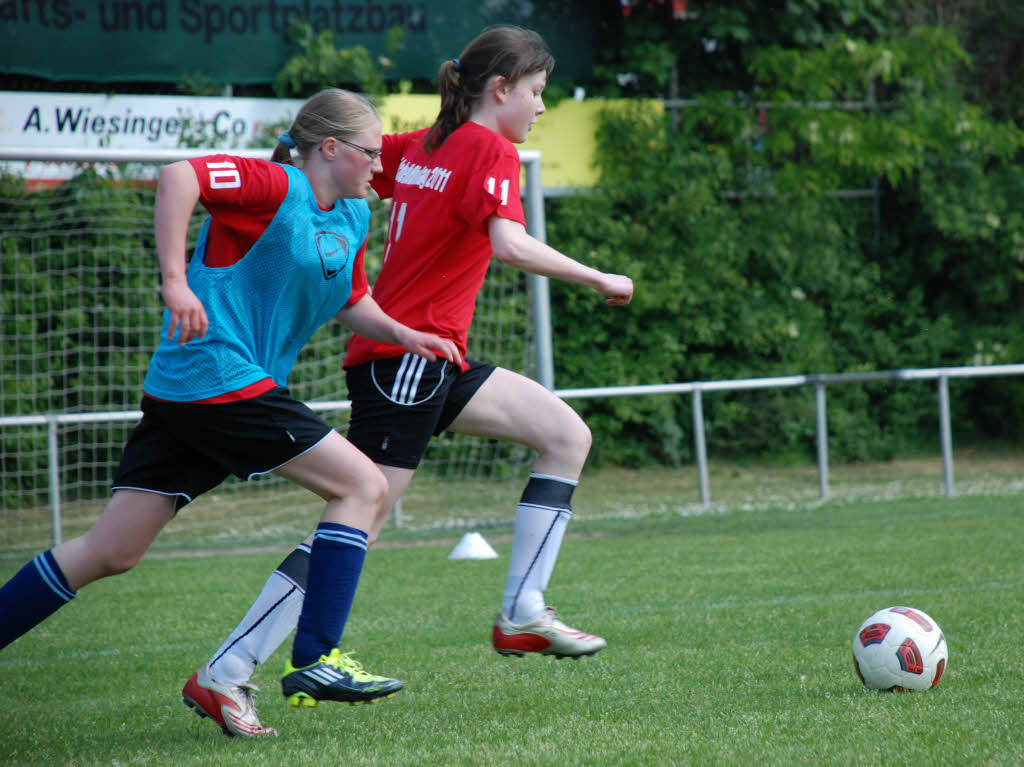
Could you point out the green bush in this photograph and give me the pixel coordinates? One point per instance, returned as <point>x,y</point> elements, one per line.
<point>748,262</point>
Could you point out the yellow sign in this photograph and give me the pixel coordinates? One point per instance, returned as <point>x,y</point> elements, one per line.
<point>405,112</point>
<point>564,135</point>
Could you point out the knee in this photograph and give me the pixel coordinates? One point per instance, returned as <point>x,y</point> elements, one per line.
<point>378,488</point>
<point>586,439</point>
<point>107,558</point>
<point>371,488</point>
<point>571,439</point>
<point>119,562</point>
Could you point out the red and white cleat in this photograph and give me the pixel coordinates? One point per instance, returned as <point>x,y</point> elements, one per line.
<point>230,706</point>
<point>546,634</point>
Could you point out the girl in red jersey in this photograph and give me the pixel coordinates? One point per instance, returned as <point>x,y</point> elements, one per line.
<point>455,190</point>
<point>280,254</point>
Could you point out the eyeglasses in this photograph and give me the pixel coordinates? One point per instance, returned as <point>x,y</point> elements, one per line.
<point>373,154</point>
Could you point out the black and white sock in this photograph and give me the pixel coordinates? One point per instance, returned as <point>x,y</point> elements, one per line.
<point>541,517</point>
<point>268,623</point>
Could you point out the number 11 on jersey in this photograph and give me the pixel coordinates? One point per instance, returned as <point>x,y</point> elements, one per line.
<point>504,189</point>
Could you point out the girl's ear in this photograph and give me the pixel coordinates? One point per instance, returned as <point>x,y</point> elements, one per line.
<point>329,148</point>
<point>500,87</point>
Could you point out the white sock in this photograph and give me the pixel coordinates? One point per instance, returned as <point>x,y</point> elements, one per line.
<point>266,625</point>
<point>541,519</point>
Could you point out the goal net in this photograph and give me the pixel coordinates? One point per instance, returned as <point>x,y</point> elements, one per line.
<point>79,284</point>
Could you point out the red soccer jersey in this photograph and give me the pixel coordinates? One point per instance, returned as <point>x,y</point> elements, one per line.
<point>438,249</point>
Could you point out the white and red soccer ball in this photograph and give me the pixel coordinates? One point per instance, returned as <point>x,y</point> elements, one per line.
<point>900,649</point>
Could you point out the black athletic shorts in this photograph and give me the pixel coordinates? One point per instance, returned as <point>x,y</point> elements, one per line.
<point>400,402</point>
<point>184,449</point>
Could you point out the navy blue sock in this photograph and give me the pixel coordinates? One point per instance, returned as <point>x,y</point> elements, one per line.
<point>35,593</point>
<point>335,564</point>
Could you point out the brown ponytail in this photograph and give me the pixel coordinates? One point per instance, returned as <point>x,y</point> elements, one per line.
<point>282,154</point>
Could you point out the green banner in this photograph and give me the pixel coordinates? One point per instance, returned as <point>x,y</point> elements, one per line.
<point>246,41</point>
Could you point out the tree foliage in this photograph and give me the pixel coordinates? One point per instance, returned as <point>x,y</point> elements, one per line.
<point>713,46</point>
<point>321,63</point>
<point>754,256</point>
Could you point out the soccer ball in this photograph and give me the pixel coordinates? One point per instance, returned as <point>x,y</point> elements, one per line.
<point>899,649</point>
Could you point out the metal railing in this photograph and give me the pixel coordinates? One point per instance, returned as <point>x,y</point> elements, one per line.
<point>819,382</point>
<point>695,388</point>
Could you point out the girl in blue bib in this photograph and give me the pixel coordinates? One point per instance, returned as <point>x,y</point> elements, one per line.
<point>280,254</point>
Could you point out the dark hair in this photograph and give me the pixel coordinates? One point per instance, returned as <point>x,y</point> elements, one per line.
<point>511,52</point>
<point>331,112</point>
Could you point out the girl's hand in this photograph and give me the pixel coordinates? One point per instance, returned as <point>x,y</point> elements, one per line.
<point>429,345</point>
<point>618,288</point>
<point>186,309</point>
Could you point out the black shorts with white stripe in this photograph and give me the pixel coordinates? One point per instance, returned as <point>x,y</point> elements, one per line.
<point>399,403</point>
<point>184,449</point>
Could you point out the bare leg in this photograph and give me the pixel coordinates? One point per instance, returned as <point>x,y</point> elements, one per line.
<point>118,539</point>
<point>506,407</point>
<point>345,478</point>
<point>352,492</point>
<point>353,489</point>
<point>115,543</point>
<point>512,407</point>
<point>398,480</point>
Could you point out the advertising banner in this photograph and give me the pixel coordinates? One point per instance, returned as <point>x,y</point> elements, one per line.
<point>564,135</point>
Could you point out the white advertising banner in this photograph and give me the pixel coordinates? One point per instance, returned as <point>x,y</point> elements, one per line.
<point>88,121</point>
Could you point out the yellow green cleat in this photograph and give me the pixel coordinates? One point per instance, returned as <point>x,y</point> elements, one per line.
<point>338,677</point>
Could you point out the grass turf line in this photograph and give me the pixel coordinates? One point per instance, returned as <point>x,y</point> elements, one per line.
<point>729,643</point>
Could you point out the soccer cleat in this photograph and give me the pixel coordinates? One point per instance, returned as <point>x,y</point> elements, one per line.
<point>230,706</point>
<point>337,676</point>
<point>546,634</point>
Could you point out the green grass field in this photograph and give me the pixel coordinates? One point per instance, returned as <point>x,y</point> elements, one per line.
<point>729,643</point>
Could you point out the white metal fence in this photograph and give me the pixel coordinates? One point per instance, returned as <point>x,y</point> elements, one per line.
<point>820,382</point>
<point>696,389</point>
